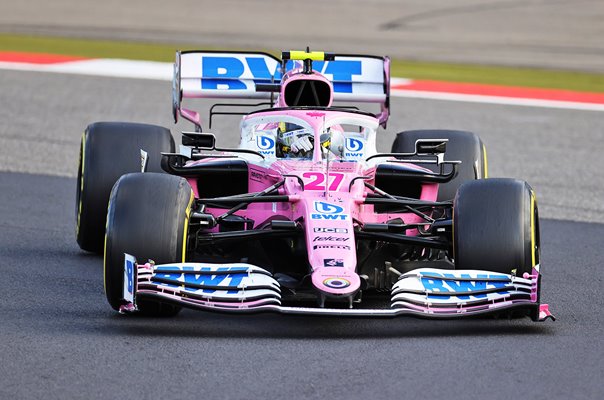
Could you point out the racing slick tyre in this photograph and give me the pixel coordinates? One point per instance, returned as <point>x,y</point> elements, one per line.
<point>148,217</point>
<point>496,226</point>
<point>463,146</point>
<point>109,150</point>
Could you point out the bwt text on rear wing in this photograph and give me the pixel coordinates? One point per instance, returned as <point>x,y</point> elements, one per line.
<point>223,74</point>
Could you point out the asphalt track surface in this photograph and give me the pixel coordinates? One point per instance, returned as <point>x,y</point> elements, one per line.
<point>557,34</point>
<point>60,339</point>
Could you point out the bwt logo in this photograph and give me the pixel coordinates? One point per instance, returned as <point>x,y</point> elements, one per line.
<point>328,211</point>
<point>436,284</point>
<point>229,282</point>
<point>265,143</point>
<point>353,144</point>
<point>130,274</point>
<point>327,208</point>
<point>227,71</point>
<point>354,148</point>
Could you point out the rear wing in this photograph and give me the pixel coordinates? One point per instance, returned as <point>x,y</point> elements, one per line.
<point>223,74</point>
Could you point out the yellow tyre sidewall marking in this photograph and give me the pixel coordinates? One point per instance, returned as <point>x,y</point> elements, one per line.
<point>186,227</point>
<point>533,238</point>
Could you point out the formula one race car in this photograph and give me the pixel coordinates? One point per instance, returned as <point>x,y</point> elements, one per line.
<point>305,216</point>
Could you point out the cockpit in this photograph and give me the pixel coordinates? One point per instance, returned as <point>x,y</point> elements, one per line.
<point>333,135</point>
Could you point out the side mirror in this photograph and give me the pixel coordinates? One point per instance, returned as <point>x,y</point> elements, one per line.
<point>204,141</point>
<point>431,146</point>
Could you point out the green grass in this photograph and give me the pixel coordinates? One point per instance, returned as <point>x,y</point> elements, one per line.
<point>89,48</point>
<point>529,77</point>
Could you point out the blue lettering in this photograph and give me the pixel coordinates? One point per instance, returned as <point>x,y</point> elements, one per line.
<point>259,69</point>
<point>214,280</point>
<point>219,68</point>
<point>289,65</point>
<point>225,71</point>
<point>318,66</point>
<point>209,280</point>
<point>435,285</point>
<point>342,72</point>
<point>467,286</point>
<point>498,285</point>
<point>235,281</point>
<point>167,275</point>
<point>328,216</point>
<point>130,274</point>
<point>431,282</point>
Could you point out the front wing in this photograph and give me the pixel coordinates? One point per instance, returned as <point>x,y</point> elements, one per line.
<point>246,288</point>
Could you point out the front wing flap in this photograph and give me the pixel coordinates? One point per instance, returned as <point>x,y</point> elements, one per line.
<point>246,288</point>
<point>444,292</point>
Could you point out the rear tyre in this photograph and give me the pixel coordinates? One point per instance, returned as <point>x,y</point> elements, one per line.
<point>109,150</point>
<point>148,217</point>
<point>496,226</point>
<point>463,146</point>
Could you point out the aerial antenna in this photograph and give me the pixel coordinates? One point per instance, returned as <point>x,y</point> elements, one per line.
<point>307,63</point>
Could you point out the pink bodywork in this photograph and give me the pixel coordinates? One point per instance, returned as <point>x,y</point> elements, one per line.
<point>326,198</point>
<point>329,235</point>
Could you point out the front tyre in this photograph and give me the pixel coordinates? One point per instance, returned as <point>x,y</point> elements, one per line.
<point>496,226</point>
<point>148,217</point>
<point>109,150</point>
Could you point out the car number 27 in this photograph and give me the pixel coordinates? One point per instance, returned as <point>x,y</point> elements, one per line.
<point>317,181</point>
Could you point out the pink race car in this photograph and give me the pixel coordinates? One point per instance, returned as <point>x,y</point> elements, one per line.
<point>305,216</point>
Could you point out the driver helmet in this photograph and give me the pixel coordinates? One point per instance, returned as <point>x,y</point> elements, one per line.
<point>295,141</point>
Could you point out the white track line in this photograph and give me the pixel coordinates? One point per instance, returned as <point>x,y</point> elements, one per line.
<point>513,101</point>
<point>102,67</point>
<point>163,71</point>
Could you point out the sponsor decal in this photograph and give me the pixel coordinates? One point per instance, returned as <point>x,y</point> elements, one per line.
<point>328,211</point>
<point>256,175</point>
<point>331,246</point>
<point>353,144</point>
<point>287,135</point>
<point>266,144</point>
<point>227,281</point>
<point>330,230</point>
<point>330,239</point>
<point>226,72</point>
<point>327,208</point>
<point>336,283</point>
<point>128,290</point>
<point>434,284</point>
<point>354,148</point>
<point>333,262</point>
